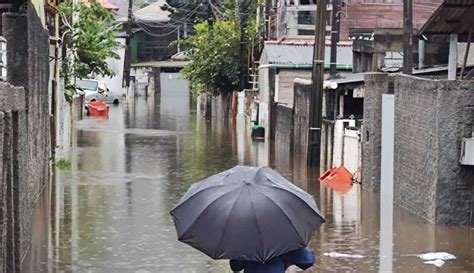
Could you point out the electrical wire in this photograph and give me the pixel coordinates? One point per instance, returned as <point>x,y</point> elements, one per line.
<point>146,25</point>
<point>182,20</point>
<point>205,13</point>
<point>151,33</point>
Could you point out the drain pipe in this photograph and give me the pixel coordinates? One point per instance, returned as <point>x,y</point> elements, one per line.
<point>421,53</point>
<point>303,66</point>
<point>294,66</point>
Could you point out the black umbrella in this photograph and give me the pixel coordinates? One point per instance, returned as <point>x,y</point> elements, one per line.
<point>246,213</point>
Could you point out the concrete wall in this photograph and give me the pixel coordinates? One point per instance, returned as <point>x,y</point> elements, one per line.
<point>204,103</point>
<point>462,53</point>
<point>284,84</point>
<point>284,125</point>
<point>431,118</point>
<point>375,85</point>
<point>264,98</point>
<point>222,106</point>
<point>12,126</point>
<point>283,141</point>
<point>26,132</point>
<point>77,108</point>
<point>301,116</point>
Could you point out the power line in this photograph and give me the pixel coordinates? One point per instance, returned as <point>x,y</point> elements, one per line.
<point>151,33</point>
<point>205,13</point>
<point>182,20</point>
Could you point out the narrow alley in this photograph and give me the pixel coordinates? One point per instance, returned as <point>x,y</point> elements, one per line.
<point>110,211</point>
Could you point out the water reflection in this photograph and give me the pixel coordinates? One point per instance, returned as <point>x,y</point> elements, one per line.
<point>109,213</point>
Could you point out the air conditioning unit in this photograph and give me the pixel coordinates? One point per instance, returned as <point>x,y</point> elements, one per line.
<point>467,152</point>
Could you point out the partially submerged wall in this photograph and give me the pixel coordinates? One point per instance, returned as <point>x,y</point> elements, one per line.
<point>12,126</point>
<point>376,85</point>
<point>283,142</point>
<point>431,118</point>
<point>26,131</point>
<point>301,116</point>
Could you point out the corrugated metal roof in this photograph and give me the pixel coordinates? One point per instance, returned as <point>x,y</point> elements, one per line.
<point>289,54</point>
<point>168,64</point>
<point>350,78</point>
<point>453,16</point>
<point>104,3</point>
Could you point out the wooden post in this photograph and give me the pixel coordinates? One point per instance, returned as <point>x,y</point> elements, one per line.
<point>407,37</point>
<point>466,54</point>
<point>453,56</point>
<point>316,96</point>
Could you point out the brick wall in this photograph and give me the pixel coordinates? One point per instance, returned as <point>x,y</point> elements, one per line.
<point>431,118</point>
<point>383,14</point>
<point>376,84</point>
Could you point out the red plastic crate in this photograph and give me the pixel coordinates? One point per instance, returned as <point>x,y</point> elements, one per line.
<point>98,109</point>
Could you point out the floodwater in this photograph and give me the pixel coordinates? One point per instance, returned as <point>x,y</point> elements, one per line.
<point>110,211</point>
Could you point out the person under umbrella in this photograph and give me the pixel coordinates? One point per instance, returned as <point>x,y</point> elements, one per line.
<point>246,214</point>
<point>303,258</point>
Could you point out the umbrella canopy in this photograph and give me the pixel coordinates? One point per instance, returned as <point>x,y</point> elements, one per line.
<point>246,213</point>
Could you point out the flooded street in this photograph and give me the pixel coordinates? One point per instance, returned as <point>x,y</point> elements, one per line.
<point>110,211</point>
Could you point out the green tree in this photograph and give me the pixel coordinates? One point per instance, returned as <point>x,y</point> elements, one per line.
<point>215,52</point>
<point>90,41</point>
<point>215,59</point>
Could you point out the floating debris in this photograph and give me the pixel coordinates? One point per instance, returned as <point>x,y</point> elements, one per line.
<point>444,256</point>
<point>343,255</point>
<point>437,263</point>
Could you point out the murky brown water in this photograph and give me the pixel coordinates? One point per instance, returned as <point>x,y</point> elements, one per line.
<point>109,213</point>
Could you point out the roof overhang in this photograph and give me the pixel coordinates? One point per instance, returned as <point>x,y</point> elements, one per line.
<point>452,17</point>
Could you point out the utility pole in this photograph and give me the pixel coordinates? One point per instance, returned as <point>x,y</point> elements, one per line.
<point>335,28</point>
<point>128,50</point>
<point>316,96</point>
<point>408,37</point>
<point>243,21</point>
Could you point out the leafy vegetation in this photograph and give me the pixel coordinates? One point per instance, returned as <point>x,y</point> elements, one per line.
<point>89,41</point>
<point>63,164</point>
<point>215,59</point>
<point>216,56</point>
